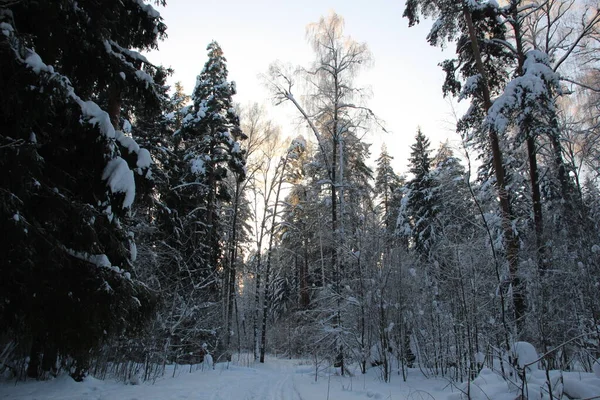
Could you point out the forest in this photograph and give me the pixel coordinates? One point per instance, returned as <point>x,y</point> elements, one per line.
<point>146,227</point>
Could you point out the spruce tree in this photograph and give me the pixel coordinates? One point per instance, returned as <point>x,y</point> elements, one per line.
<point>208,150</point>
<point>69,174</point>
<point>420,204</point>
<point>387,186</point>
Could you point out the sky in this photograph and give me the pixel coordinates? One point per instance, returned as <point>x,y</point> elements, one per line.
<point>405,79</point>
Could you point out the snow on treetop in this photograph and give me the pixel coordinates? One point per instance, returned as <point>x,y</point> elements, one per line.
<point>299,143</point>
<point>478,4</point>
<point>120,179</point>
<point>524,92</point>
<point>151,11</point>
<point>297,146</point>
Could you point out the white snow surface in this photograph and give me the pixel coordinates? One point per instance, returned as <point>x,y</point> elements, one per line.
<point>277,379</point>
<point>525,355</point>
<point>284,379</point>
<point>596,368</point>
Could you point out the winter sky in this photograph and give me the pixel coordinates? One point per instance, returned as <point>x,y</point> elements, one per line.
<point>405,79</point>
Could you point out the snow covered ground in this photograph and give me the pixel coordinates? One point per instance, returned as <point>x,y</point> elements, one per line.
<point>277,379</point>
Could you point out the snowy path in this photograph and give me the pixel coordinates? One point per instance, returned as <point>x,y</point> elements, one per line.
<point>274,381</point>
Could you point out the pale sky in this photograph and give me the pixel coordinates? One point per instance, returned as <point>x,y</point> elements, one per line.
<point>405,79</point>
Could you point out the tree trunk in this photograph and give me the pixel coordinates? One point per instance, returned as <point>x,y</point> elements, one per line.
<point>231,273</point>
<point>263,339</point>
<point>114,105</point>
<point>510,239</point>
<point>304,295</point>
<point>35,353</point>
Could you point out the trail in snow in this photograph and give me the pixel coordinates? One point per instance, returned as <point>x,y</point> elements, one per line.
<point>272,381</point>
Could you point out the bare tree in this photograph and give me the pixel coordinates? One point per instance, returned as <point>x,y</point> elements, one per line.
<point>333,108</point>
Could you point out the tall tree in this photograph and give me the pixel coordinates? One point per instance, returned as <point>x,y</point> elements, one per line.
<point>66,280</point>
<point>470,24</point>
<point>388,185</point>
<point>419,211</point>
<point>207,149</point>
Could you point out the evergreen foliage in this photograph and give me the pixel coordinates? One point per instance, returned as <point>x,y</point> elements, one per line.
<point>420,210</point>
<point>69,174</point>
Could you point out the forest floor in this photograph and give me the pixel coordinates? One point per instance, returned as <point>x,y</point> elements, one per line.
<point>277,379</point>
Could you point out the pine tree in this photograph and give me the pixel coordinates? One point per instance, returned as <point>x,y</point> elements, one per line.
<point>69,174</point>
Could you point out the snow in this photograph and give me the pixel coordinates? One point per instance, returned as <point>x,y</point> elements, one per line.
<point>96,116</point>
<point>120,179</point>
<point>596,368</point>
<point>470,87</point>
<point>34,61</point>
<point>117,173</point>
<point>143,76</point>
<point>243,379</point>
<point>481,5</point>
<point>197,166</point>
<point>6,28</point>
<point>126,126</point>
<point>524,355</point>
<point>132,251</point>
<point>144,159</point>
<point>99,260</point>
<point>151,11</point>
<point>286,379</point>
<point>128,142</point>
<point>479,357</point>
<point>297,146</point>
<point>523,94</point>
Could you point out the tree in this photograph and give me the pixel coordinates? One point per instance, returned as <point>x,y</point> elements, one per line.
<point>334,113</point>
<point>207,150</point>
<point>388,185</point>
<point>67,284</point>
<point>471,23</point>
<point>419,208</point>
